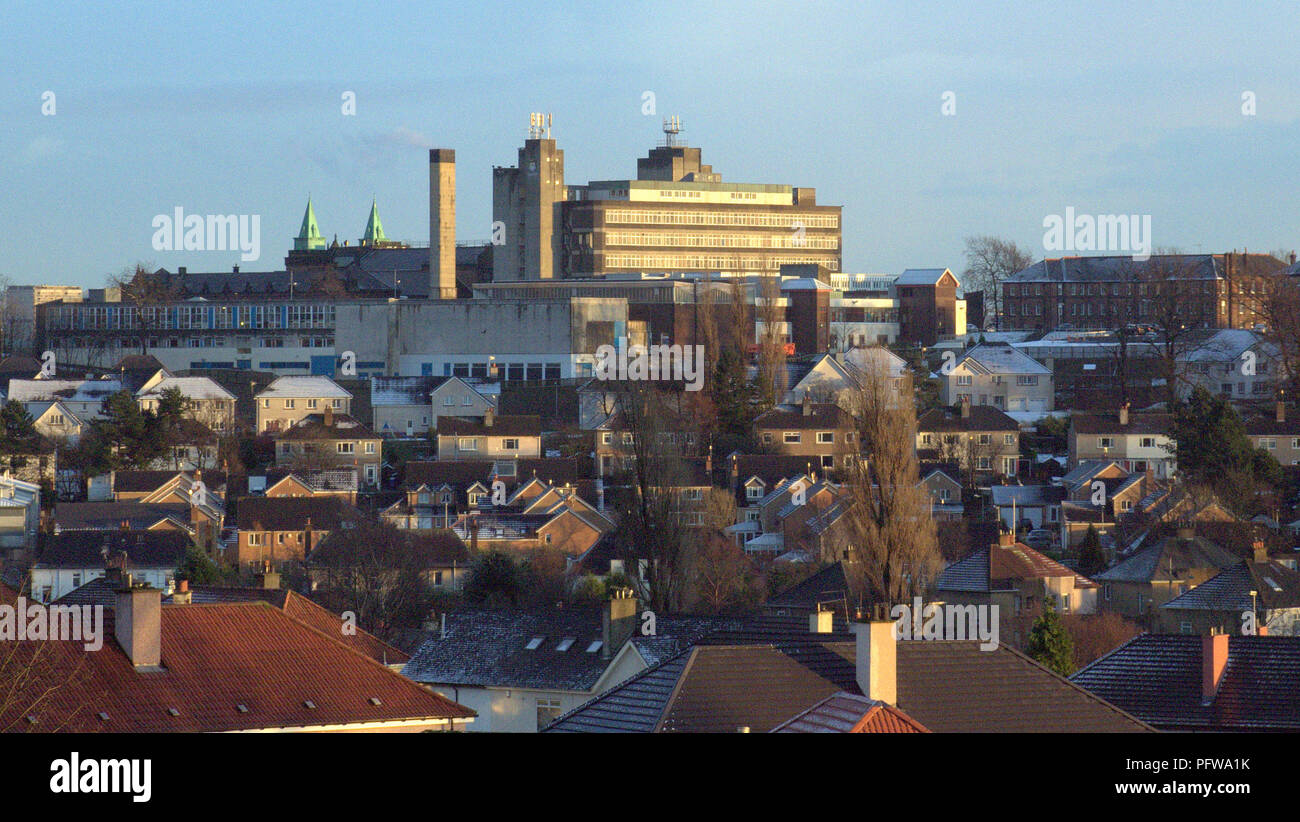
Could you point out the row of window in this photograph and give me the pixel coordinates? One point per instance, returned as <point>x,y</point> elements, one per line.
<point>721,218</point>
<point>311,404</point>
<point>200,316</point>
<point>791,238</point>
<point>764,262</point>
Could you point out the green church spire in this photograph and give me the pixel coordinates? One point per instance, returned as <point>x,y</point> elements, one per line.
<point>309,237</point>
<point>374,228</point>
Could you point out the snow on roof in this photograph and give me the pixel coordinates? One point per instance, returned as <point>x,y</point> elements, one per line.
<point>65,390</point>
<point>293,387</point>
<point>1003,359</point>
<point>194,388</point>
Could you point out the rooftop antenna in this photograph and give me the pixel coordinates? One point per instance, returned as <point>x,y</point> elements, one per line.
<point>539,126</point>
<point>672,128</point>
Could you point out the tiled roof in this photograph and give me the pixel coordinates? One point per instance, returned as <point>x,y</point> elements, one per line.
<point>982,418</point>
<point>109,516</point>
<point>829,585</point>
<point>970,573</point>
<point>244,666</point>
<point>66,390</point>
<point>86,549</point>
<point>195,388</point>
<point>502,426</point>
<point>313,427</point>
<point>1108,423</point>
<point>822,415</point>
<point>1158,677</point>
<point>144,481</point>
<point>403,390</point>
<point>847,713</point>
<point>292,513</point>
<point>920,276</point>
<point>1171,560</point>
<point>946,686</point>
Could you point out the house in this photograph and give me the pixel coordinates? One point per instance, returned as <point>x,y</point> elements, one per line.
<point>1202,683</point>
<point>758,681</point>
<point>928,308</point>
<point>981,439</point>
<point>83,398</point>
<point>1138,585</point>
<point>999,375</point>
<point>1277,435</point>
<point>1019,581</point>
<point>20,516</point>
<point>441,559</point>
<point>206,402</point>
<point>202,518</point>
<point>1038,506</point>
<point>945,490</point>
<point>520,670</point>
<point>70,559</point>
<point>327,441</point>
<point>463,397</point>
<point>55,421</point>
<point>492,437</point>
<point>305,482</point>
<point>155,486</point>
<point>1237,364</point>
<point>184,668</point>
<point>823,432</point>
<point>193,448</point>
<point>1255,596</point>
<point>1136,441</point>
<point>279,529</point>
<point>288,399</point>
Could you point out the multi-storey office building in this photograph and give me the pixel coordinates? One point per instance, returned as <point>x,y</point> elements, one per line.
<point>676,216</point>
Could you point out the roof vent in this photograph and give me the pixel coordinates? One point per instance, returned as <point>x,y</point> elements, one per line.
<point>242,708</point>
<point>173,712</point>
<point>308,704</point>
<point>374,700</point>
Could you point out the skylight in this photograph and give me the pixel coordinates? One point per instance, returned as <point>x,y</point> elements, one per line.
<point>1272,584</point>
<point>565,644</point>
<point>594,647</point>
<point>534,643</point>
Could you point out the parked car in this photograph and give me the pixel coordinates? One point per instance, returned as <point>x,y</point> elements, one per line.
<point>1040,538</point>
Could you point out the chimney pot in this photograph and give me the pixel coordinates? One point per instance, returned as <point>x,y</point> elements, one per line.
<point>877,661</point>
<point>1260,550</point>
<point>1123,414</point>
<point>1280,411</point>
<point>488,418</point>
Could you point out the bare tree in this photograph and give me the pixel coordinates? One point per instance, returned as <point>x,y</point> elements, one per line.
<point>989,261</point>
<point>720,572</point>
<point>143,289</point>
<point>894,547</point>
<point>1175,297</point>
<point>34,677</point>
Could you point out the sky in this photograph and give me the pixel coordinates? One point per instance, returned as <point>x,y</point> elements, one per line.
<point>1186,112</point>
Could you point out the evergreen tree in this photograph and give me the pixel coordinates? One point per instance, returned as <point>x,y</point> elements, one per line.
<point>1092,560</point>
<point>17,435</point>
<point>1049,643</point>
<point>494,579</point>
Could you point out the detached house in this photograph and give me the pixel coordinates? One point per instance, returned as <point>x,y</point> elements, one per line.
<point>997,374</point>
<point>206,401</point>
<point>276,529</point>
<point>1260,586</point>
<point>1277,435</point>
<point>1136,587</point>
<point>289,399</point>
<point>83,398</point>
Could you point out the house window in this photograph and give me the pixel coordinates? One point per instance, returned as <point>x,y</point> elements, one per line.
<point>467,400</point>
<point>983,463</point>
<point>437,577</point>
<point>606,438</point>
<point>985,439</point>
<point>449,400</point>
<point>510,444</point>
<point>254,539</point>
<point>925,439</point>
<point>467,443</point>
<point>336,404</point>
<point>1125,505</point>
<point>627,438</point>
<point>344,447</point>
<point>1267,443</point>
<point>288,403</point>
<point>825,437</point>
<point>963,379</point>
<point>1148,442</point>
<point>792,437</point>
<point>753,492</point>
<point>828,461</point>
<point>311,403</point>
<point>694,494</point>
<point>1184,627</point>
<point>1008,439</point>
<point>370,448</point>
<point>767,438</point>
<point>548,710</point>
<point>1105,442</point>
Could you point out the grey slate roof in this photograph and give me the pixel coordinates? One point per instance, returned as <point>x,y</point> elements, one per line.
<point>1157,677</point>
<point>970,573</point>
<point>1276,586</point>
<point>489,648</point>
<point>1169,560</point>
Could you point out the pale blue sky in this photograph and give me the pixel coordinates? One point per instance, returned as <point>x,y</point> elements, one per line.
<point>1106,107</point>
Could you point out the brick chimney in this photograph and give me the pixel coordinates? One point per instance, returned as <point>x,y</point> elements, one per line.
<point>268,579</point>
<point>1123,414</point>
<point>1214,659</point>
<point>137,624</point>
<point>965,408</point>
<point>488,418</point>
<point>182,595</point>
<point>877,660</point>
<point>618,621</point>
<point>329,417</point>
<point>807,404</point>
<point>1279,411</point>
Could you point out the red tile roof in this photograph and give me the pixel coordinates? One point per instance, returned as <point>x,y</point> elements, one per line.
<point>215,659</point>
